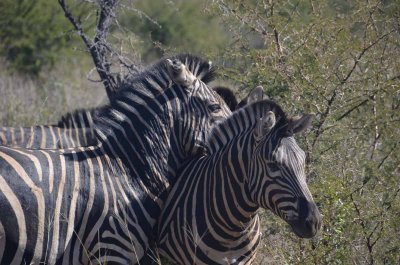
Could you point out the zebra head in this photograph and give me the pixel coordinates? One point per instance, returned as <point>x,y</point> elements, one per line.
<point>205,105</point>
<point>167,108</point>
<point>278,180</point>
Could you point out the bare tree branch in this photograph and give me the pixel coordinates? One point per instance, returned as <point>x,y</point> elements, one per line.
<point>343,81</point>
<point>98,47</point>
<point>76,25</point>
<point>363,225</point>
<point>107,12</point>
<point>352,109</point>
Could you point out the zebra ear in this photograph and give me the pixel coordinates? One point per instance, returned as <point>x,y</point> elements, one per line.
<point>180,74</point>
<point>255,95</point>
<point>265,124</point>
<point>300,123</point>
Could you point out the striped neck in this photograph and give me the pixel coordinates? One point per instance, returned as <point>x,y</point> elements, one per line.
<point>129,135</point>
<point>148,86</point>
<point>231,159</point>
<point>154,125</point>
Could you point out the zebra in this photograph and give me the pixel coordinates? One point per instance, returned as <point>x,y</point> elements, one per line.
<point>253,161</point>
<point>99,204</point>
<point>72,130</point>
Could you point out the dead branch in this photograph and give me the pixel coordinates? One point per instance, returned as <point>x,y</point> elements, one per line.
<point>342,82</point>
<point>98,48</point>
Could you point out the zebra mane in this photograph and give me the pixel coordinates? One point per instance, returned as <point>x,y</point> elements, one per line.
<point>148,84</point>
<point>80,118</point>
<point>199,67</point>
<point>243,120</point>
<point>227,95</point>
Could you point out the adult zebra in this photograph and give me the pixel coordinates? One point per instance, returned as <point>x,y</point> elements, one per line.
<point>253,161</point>
<point>99,204</point>
<point>73,130</point>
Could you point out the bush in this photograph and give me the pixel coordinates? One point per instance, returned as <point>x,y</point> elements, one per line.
<point>177,26</point>
<point>34,33</point>
<point>338,59</point>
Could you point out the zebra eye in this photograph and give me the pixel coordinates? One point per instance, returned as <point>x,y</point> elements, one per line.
<point>214,107</point>
<point>273,166</point>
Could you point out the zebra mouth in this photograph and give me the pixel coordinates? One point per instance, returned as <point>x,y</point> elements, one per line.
<point>306,229</point>
<point>308,222</point>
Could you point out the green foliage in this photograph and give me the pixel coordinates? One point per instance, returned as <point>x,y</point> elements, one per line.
<point>34,34</point>
<point>177,26</point>
<point>337,59</point>
<point>31,33</point>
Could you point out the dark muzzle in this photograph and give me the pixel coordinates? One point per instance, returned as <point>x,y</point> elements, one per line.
<point>309,219</point>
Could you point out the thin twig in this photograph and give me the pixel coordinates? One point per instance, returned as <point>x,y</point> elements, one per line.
<point>97,47</point>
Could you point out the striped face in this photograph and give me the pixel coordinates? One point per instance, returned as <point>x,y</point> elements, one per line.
<point>203,109</point>
<point>279,182</point>
<point>207,108</point>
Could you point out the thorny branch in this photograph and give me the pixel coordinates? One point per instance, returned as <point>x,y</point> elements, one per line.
<point>76,25</point>
<point>352,109</point>
<point>324,115</point>
<point>96,47</point>
<point>107,12</point>
<point>387,156</point>
<point>378,227</point>
<point>100,50</point>
<point>369,244</point>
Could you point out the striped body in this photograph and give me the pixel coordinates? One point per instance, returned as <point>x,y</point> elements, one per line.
<point>62,204</point>
<point>73,130</point>
<point>253,161</point>
<point>99,204</point>
<point>46,137</point>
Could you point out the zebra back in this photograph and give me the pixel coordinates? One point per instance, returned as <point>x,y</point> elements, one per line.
<point>73,130</point>
<point>81,118</point>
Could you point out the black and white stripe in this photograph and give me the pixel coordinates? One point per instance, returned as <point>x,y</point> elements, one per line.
<point>99,204</point>
<point>76,129</point>
<point>73,130</point>
<point>253,161</point>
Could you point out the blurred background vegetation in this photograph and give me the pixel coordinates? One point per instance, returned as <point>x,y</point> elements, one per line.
<point>336,58</point>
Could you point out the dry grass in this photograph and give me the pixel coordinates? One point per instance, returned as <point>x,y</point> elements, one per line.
<point>26,101</point>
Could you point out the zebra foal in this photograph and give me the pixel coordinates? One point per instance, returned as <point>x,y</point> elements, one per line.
<point>253,161</point>
<point>99,204</point>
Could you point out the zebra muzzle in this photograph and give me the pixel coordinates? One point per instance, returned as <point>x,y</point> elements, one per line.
<point>309,219</point>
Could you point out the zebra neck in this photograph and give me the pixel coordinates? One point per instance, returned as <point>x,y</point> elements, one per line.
<point>228,194</point>
<point>143,138</point>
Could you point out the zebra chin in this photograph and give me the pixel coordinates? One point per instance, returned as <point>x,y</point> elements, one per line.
<point>308,222</point>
